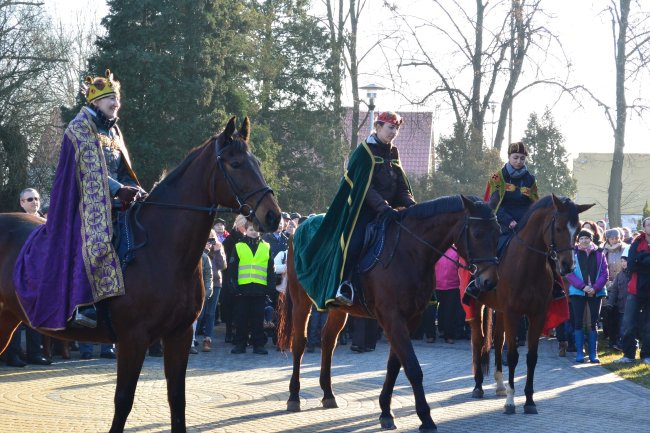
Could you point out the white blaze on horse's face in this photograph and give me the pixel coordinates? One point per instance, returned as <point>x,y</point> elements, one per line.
<point>572,231</point>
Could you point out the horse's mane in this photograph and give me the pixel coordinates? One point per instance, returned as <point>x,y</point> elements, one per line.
<point>447,204</point>
<point>545,202</point>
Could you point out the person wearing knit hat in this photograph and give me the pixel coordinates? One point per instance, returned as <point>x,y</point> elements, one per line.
<point>93,180</point>
<point>587,288</point>
<point>373,186</point>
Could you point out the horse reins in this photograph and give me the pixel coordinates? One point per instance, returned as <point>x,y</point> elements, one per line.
<point>471,266</point>
<point>553,251</point>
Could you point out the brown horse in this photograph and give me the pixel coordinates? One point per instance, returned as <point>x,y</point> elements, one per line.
<point>396,292</point>
<point>164,291</point>
<point>544,238</point>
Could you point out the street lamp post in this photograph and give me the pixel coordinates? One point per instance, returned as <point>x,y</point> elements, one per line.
<point>371,92</point>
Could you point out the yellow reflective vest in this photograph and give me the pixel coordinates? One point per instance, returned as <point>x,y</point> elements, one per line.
<point>253,268</point>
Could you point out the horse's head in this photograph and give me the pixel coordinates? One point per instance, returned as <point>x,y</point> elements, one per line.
<point>245,188</point>
<point>476,241</point>
<point>561,224</point>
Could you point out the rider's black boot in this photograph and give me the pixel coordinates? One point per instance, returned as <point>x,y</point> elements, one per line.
<point>472,291</point>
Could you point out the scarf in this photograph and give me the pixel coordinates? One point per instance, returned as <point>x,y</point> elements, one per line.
<point>514,173</point>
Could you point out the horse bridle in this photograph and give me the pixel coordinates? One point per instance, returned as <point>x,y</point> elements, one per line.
<point>234,188</point>
<point>553,251</point>
<point>243,209</point>
<point>472,263</point>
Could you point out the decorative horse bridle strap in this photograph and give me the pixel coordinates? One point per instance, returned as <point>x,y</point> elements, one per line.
<point>471,266</point>
<point>553,251</point>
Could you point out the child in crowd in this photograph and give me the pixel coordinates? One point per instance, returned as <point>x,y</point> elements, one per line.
<point>615,303</point>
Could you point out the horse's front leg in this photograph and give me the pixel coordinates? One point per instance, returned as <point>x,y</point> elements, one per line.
<point>300,318</point>
<point>498,350</point>
<point>478,340</point>
<point>329,335</point>
<point>511,322</point>
<point>535,326</point>
<point>386,419</point>
<point>131,350</point>
<point>176,354</point>
<point>398,335</point>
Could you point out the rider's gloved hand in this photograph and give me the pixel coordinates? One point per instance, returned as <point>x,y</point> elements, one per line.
<point>126,194</point>
<point>390,214</point>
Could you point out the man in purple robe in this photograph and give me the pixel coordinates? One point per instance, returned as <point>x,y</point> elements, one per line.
<point>69,264</point>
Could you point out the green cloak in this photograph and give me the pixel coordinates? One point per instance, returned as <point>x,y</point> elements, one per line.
<point>320,244</point>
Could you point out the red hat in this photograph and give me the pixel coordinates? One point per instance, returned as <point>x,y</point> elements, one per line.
<point>517,148</point>
<point>390,117</point>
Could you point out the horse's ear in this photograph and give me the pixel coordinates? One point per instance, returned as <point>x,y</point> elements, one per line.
<point>230,127</point>
<point>244,131</point>
<point>467,203</point>
<point>558,203</point>
<point>584,207</point>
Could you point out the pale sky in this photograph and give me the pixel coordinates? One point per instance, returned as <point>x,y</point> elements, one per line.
<point>586,38</point>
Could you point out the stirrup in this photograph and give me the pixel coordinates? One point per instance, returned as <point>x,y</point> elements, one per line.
<point>342,296</point>
<point>86,319</point>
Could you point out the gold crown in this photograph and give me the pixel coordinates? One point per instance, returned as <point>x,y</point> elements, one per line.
<point>99,87</point>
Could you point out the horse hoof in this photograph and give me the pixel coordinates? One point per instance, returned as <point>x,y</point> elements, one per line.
<point>530,409</point>
<point>509,409</point>
<point>329,403</point>
<point>477,393</point>
<point>293,406</point>
<point>501,392</point>
<point>387,423</point>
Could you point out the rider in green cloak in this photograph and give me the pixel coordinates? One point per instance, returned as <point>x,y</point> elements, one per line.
<point>326,247</point>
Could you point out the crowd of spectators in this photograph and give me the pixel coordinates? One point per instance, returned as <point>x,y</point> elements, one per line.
<point>245,276</point>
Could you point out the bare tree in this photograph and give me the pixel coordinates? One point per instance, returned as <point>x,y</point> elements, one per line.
<point>493,45</point>
<point>28,54</point>
<point>631,36</point>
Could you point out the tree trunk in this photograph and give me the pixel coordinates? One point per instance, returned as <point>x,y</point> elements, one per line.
<point>17,152</point>
<point>354,75</point>
<point>519,47</point>
<point>615,190</point>
<point>476,131</point>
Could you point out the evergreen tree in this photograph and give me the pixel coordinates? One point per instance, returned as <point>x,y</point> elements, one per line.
<point>183,66</point>
<point>467,171</point>
<point>548,158</point>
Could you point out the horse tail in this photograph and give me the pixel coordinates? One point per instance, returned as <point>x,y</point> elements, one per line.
<point>285,309</point>
<point>487,339</point>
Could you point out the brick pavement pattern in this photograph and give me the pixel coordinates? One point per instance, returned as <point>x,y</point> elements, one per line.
<point>248,393</point>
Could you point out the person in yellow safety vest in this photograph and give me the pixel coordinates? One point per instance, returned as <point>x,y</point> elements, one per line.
<point>250,269</point>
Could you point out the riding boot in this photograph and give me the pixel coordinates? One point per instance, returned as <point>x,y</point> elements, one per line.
<point>593,347</point>
<point>471,291</point>
<point>580,345</point>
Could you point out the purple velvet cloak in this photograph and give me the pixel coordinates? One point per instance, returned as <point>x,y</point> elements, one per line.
<point>70,261</point>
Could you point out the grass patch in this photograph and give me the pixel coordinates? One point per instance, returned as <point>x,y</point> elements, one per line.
<point>636,372</point>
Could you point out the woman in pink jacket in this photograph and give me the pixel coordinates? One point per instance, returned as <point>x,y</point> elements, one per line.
<point>450,312</point>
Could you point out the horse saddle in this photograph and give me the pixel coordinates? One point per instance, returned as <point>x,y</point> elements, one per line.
<point>373,245</point>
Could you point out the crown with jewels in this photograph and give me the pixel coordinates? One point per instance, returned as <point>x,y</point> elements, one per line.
<point>100,87</point>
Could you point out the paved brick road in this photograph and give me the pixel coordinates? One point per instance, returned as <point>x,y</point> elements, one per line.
<point>247,393</point>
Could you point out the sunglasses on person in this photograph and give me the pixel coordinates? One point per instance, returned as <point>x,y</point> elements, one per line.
<point>31,199</point>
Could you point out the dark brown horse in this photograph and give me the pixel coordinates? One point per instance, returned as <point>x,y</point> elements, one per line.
<point>396,291</point>
<point>544,238</point>
<point>164,291</point>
